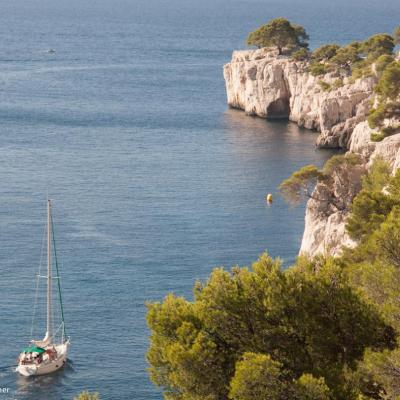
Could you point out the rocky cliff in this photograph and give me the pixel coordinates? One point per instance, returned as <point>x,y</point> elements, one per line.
<point>270,86</point>
<point>324,231</point>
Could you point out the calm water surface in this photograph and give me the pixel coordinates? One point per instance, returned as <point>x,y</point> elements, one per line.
<point>154,181</point>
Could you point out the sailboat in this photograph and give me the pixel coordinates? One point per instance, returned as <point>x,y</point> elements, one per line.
<point>49,354</point>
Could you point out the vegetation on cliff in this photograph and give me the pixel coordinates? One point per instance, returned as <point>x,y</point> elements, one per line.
<point>372,57</point>
<point>337,65</point>
<point>279,33</point>
<point>300,185</point>
<point>386,114</point>
<point>356,58</point>
<point>323,329</point>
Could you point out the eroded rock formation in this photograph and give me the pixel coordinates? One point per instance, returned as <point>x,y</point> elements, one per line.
<point>270,86</point>
<point>324,231</point>
<point>262,83</point>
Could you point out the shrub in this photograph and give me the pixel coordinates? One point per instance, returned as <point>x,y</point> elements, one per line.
<point>377,45</point>
<point>361,69</point>
<point>300,55</point>
<point>388,86</point>
<point>384,110</point>
<point>382,62</point>
<point>326,87</point>
<point>338,83</point>
<point>376,116</point>
<point>385,132</point>
<point>346,56</point>
<point>377,137</point>
<point>317,69</point>
<point>389,130</point>
<point>325,53</point>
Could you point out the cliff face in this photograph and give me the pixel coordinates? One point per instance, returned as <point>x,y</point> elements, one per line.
<point>270,86</point>
<point>324,231</point>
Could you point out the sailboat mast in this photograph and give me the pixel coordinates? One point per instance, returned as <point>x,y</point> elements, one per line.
<point>49,283</point>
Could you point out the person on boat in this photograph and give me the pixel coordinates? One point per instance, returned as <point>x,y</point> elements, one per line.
<point>38,359</point>
<point>51,353</point>
<point>54,352</point>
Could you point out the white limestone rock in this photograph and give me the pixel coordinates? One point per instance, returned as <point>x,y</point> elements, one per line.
<point>262,83</point>
<point>360,141</point>
<point>325,231</point>
<point>270,86</point>
<point>388,149</point>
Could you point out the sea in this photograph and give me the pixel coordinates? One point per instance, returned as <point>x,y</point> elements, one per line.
<point>116,111</point>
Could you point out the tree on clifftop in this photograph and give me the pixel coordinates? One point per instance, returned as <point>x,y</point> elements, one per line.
<point>280,33</point>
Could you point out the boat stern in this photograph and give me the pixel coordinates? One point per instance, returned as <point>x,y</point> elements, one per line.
<point>26,370</point>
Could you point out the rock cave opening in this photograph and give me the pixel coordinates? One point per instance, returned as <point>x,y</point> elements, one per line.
<point>279,109</point>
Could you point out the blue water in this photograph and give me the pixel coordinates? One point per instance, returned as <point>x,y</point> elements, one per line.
<point>154,180</point>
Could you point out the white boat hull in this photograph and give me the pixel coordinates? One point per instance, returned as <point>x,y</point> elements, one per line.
<point>46,367</point>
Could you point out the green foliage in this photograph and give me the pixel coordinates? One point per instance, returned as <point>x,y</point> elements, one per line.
<point>338,83</point>
<point>384,368</point>
<point>376,116</point>
<point>325,86</point>
<point>302,36</point>
<point>311,388</point>
<point>257,377</point>
<point>383,111</point>
<point>388,86</point>
<point>346,56</point>
<point>85,395</point>
<point>303,321</point>
<point>378,45</point>
<point>355,58</point>
<point>300,55</point>
<point>385,132</point>
<point>388,89</point>
<point>325,52</point>
<point>377,137</point>
<point>382,62</point>
<point>317,69</point>
<point>371,206</point>
<point>373,268</point>
<point>388,238</point>
<point>389,130</point>
<point>341,163</point>
<point>279,33</point>
<point>324,329</point>
<point>361,69</point>
<point>300,183</point>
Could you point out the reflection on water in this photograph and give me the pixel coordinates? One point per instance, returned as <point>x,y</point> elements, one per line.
<point>276,132</point>
<point>38,386</point>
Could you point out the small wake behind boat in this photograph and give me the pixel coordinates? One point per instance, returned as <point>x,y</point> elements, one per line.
<point>50,354</point>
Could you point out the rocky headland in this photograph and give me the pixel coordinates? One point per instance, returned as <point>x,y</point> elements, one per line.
<point>265,84</point>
